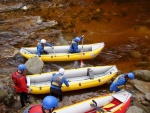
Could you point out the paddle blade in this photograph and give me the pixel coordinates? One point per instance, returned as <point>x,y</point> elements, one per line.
<point>82,64</point>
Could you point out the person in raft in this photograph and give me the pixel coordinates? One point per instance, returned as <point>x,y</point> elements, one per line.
<point>40,47</point>
<point>121,81</point>
<point>20,84</point>
<point>74,45</point>
<point>56,83</point>
<point>49,103</point>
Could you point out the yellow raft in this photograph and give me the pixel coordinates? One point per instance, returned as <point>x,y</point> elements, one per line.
<point>80,78</point>
<point>61,53</point>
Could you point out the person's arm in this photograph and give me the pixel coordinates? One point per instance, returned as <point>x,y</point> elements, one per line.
<point>52,79</point>
<point>75,46</point>
<point>39,48</point>
<point>23,84</point>
<point>47,44</point>
<point>65,81</point>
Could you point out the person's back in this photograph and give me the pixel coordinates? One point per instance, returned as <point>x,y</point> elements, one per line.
<point>40,47</point>
<point>57,81</point>
<point>74,46</point>
<point>20,83</point>
<point>56,84</point>
<point>49,103</point>
<point>120,82</point>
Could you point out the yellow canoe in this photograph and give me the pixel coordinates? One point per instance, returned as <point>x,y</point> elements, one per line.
<point>61,53</point>
<point>80,78</point>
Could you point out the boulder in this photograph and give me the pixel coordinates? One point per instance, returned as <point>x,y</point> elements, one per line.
<point>3,95</point>
<point>34,65</point>
<point>142,75</point>
<point>142,86</point>
<point>134,109</point>
<point>147,96</point>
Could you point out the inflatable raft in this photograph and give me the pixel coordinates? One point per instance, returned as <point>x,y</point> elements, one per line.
<point>61,53</point>
<point>79,78</point>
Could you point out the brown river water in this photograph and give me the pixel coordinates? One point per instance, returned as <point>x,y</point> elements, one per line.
<point>123,25</point>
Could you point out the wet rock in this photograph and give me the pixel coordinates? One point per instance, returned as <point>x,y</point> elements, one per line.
<point>142,86</point>
<point>34,65</point>
<point>134,109</point>
<point>135,54</point>
<point>147,96</point>
<point>16,106</point>
<point>142,75</point>
<point>7,8</point>
<point>3,95</point>
<point>145,103</point>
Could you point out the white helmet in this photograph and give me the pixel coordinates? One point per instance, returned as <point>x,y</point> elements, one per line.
<point>61,71</point>
<point>43,41</point>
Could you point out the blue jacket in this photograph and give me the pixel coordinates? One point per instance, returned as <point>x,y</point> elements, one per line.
<point>40,48</point>
<point>121,81</point>
<point>63,80</point>
<point>74,47</point>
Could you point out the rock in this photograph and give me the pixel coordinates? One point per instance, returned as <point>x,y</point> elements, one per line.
<point>135,54</point>
<point>145,103</point>
<point>142,86</point>
<point>147,96</point>
<point>3,95</point>
<point>134,109</point>
<point>142,75</point>
<point>34,65</point>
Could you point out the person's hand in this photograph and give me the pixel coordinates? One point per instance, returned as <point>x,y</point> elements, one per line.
<point>82,35</point>
<point>29,90</point>
<point>40,58</point>
<point>52,47</point>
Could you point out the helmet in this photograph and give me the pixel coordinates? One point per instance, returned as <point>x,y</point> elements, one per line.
<point>131,75</point>
<point>21,67</point>
<point>61,71</point>
<point>49,102</point>
<point>77,39</point>
<point>43,41</point>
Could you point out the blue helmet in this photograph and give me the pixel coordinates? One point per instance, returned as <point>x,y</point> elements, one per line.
<point>131,75</point>
<point>77,39</point>
<point>21,67</point>
<point>50,102</point>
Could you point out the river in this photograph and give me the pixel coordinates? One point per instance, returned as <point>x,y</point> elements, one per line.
<point>123,25</point>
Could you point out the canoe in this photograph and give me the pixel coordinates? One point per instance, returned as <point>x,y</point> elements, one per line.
<point>79,78</point>
<point>61,53</point>
<point>117,102</point>
<point>112,103</point>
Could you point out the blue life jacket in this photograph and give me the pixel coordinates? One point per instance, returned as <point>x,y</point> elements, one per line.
<point>121,81</point>
<point>57,81</point>
<point>74,47</point>
<point>40,48</point>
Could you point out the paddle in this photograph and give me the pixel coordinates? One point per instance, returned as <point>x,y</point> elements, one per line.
<point>53,48</point>
<point>98,110</point>
<point>54,51</point>
<point>81,62</point>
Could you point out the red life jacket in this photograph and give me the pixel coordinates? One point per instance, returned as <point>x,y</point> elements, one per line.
<point>15,77</point>
<point>36,109</point>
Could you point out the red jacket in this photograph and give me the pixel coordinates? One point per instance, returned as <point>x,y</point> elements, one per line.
<point>21,84</point>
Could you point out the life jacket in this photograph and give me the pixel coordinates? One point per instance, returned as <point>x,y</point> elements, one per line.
<point>37,108</point>
<point>15,77</point>
<point>72,44</point>
<point>39,44</point>
<point>57,81</point>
